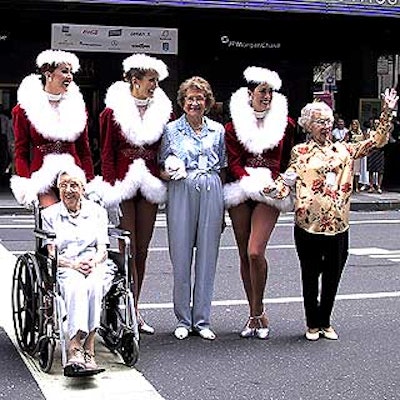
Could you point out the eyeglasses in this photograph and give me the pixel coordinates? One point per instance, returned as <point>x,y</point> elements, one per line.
<point>73,186</point>
<point>321,121</point>
<point>195,99</point>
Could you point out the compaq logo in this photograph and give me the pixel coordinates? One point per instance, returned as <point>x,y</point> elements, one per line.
<point>92,32</point>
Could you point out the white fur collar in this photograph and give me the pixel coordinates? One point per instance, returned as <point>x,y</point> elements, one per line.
<point>258,139</point>
<point>67,123</point>
<point>136,130</point>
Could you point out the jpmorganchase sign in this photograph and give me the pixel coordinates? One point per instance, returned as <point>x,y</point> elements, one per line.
<point>379,8</point>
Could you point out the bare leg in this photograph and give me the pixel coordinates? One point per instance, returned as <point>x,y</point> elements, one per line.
<point>241,218</point>
<point>139,217</point>
<point>380,180</point>
<point>89,342</point>
<point>263,221</point>
<point>253,224</point>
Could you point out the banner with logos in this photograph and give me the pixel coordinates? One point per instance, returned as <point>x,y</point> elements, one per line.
<point>114,39</point>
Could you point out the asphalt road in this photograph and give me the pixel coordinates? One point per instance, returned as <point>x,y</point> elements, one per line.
<point>363,364</point>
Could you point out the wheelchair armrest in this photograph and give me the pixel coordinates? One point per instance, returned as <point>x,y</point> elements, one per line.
<point>42,234</point>
<point>118,233</point>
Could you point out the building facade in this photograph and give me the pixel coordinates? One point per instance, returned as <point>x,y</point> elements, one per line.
<point>218,43</point>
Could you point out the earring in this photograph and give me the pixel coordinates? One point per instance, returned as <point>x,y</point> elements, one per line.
<point>49,78</point>
<point>137,86</point>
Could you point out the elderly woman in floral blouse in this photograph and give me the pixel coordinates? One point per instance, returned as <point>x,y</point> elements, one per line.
<point>322,203</point>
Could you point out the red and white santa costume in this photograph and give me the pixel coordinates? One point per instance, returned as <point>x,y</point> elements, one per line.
<point>48,138</point>
<point>130,145</point>
<point>257,152</point>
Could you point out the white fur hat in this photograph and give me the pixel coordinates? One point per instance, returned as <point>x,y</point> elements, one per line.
<point>58,57</point>
<point>143,61</point>
<point>263,75</point>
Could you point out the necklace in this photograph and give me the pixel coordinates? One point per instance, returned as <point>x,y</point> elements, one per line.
<point>260,114</point>
<point>54,97</point>
<point>142,102</point>
<point>197,127</point>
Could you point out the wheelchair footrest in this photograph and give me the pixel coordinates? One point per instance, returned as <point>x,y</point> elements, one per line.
<point>78,371</point>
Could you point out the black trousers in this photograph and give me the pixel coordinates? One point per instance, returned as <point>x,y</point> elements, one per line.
<point>325,256</point>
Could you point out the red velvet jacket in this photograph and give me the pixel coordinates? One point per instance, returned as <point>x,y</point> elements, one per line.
<point>117,154</point>
<point>31,147</point>
<point>275,159</point>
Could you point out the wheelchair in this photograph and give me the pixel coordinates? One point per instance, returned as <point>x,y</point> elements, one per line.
<point>37,305</point>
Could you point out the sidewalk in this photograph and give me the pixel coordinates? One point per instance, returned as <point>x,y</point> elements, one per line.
<point>363,201</point>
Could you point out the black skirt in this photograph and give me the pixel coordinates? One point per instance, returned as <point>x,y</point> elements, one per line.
<point>376,161</point>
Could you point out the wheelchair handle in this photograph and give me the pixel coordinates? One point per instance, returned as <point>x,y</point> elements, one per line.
<point>42,234</point>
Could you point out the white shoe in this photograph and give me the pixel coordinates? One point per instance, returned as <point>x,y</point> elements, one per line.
<point>329,333</point>
<point>261,332</point>
<point>312,334</point>
<point>207,334</point>
<point>181,332</point>
<point>144,327</point>
<point>248,332</point>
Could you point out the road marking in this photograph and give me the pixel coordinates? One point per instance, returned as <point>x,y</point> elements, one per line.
<point>117,382</point>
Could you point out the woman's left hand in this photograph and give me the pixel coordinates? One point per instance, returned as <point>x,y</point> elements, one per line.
<point>390,97</point>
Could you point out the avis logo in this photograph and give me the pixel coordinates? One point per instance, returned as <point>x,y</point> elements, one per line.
<point>90,32</point>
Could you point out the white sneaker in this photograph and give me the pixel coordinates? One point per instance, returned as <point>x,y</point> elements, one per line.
<point>312,334</point>
<point>207,334</point>
<point>181,332</point>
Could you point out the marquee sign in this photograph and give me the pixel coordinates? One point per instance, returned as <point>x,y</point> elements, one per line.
<point>114,39</point>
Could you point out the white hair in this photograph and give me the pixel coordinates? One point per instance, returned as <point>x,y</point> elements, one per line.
<point>73,171</point>
<point>310,109</point>
<point>58,57</point>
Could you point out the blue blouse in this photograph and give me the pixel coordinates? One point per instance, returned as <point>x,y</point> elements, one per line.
<point>179,139</point>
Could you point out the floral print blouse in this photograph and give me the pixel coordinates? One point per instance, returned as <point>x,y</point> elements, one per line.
<point>324,179</point>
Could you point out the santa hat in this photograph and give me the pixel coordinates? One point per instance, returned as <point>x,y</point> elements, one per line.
<point>263,75</point>
<point>58,57</point>
<point>145,62</point>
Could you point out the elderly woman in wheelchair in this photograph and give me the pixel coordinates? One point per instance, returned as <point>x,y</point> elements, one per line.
<point>87,289</point>
<point>84,272</point>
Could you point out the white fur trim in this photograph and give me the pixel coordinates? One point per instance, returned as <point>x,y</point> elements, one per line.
<point>263,75</point>
<point>136,130</point>
<point>145,62</point>
<point>26,190</point>
<point>108,194</point>
<point>22,190</point>
<point>234,194</point>
<point>250,187</point>
<point>66,123</point>
<point>58,57</point>
<point>254,138</point>
<point>256,181</point>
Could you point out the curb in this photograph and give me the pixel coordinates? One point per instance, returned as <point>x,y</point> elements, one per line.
<point>376,206</point>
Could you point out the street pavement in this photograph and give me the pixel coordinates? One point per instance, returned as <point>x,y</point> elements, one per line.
<point>362,201</point>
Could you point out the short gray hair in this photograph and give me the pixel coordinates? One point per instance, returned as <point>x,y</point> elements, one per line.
<point>308,111</point>
<point>74,172</point>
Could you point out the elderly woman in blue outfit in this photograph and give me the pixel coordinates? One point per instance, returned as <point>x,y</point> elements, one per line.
<point>193,159</point>
<point>84,272</point>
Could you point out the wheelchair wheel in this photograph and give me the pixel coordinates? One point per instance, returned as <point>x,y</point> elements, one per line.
<point>129,348</point>
<point>46,353</point>
<point>27,303</point>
